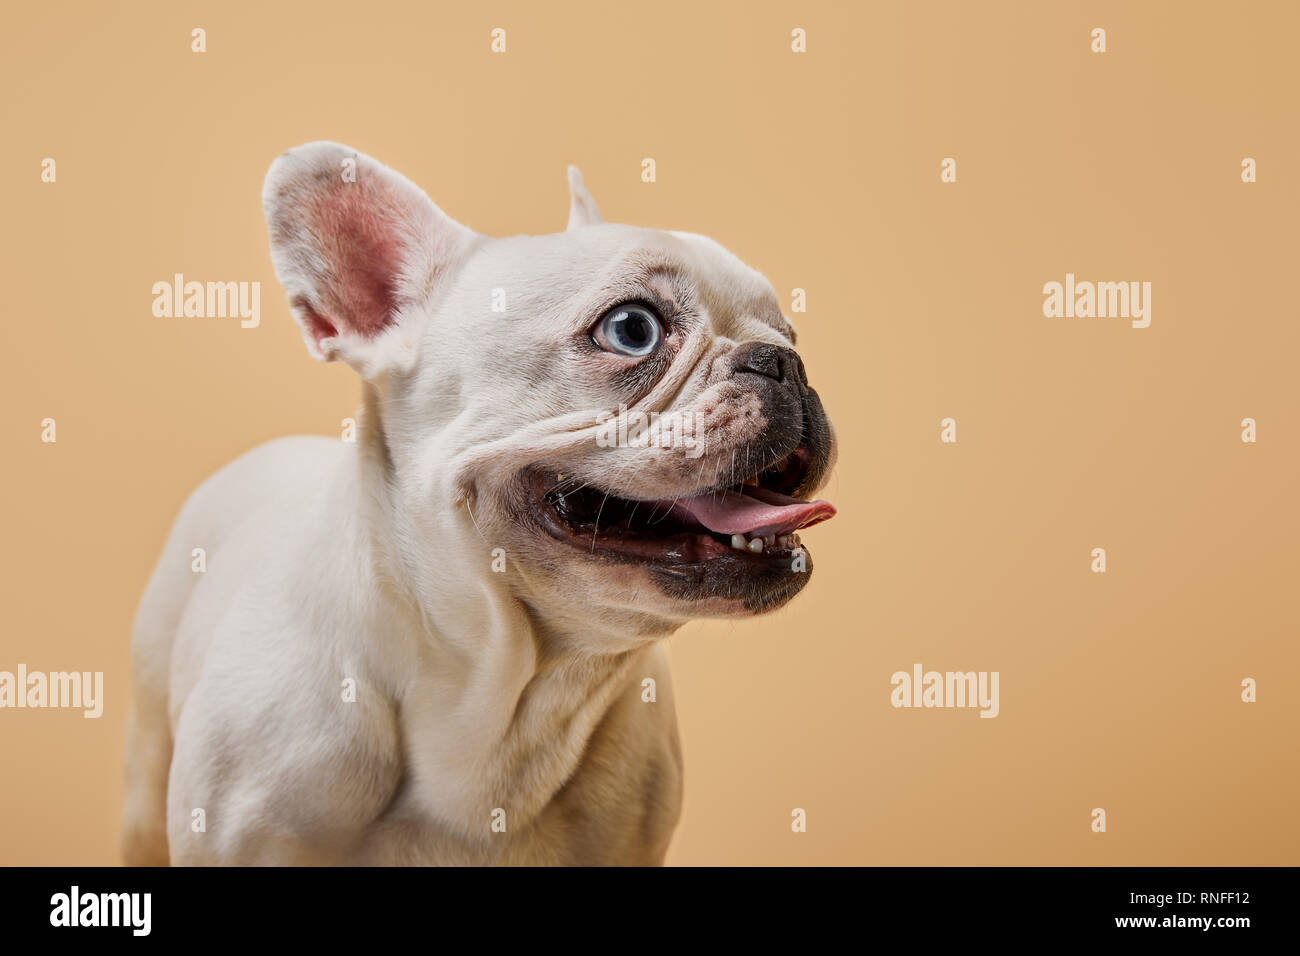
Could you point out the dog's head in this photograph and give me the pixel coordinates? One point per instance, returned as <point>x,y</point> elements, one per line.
<point>617,414</point>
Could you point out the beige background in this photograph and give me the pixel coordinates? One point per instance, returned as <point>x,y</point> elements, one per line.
<point>1118,690</point>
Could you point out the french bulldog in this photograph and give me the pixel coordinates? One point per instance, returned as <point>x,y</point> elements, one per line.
<point>442,643</point>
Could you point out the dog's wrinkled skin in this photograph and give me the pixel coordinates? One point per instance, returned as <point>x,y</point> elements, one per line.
<point>336,570</point>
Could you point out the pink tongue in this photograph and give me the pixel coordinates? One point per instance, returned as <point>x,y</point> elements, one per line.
<point>729,512</point>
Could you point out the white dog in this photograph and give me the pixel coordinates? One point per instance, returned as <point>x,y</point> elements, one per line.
<point>439,645</point>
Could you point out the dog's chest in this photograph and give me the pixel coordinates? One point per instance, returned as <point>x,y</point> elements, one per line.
<point>619,806</point>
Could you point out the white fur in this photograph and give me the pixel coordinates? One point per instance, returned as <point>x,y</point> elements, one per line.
<point>328,562</point>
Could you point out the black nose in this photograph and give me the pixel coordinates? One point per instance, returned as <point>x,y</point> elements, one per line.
<point>771,361</point>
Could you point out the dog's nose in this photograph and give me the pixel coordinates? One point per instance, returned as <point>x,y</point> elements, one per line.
<point>770,361</point>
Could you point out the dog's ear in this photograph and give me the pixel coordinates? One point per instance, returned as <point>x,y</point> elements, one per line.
<point>358,248</point>
<point>582,208</point>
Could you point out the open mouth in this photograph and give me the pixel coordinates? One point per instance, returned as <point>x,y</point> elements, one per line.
<point>756,520</point>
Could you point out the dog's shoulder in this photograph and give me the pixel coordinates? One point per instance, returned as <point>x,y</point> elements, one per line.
<point>295,739</point>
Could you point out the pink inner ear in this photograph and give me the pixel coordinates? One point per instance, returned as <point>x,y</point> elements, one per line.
<point>359,228</point>
<point>319,326</point>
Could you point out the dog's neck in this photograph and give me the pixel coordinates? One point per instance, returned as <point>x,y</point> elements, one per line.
<point>498,701</point>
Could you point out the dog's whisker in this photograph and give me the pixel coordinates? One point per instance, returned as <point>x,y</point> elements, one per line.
<point>596,530</point>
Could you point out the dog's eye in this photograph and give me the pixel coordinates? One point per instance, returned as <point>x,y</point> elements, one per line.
<point>629,329</point>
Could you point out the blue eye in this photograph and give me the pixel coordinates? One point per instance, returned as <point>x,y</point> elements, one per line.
<point>629,329</point>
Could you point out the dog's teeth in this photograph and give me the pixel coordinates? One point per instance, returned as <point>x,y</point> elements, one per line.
<point>738,542</point>
<point>769,540</point>
<point>756,545</point>
<point>784,540</point>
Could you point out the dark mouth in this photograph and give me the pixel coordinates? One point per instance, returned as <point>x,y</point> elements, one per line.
<point>754,521</point>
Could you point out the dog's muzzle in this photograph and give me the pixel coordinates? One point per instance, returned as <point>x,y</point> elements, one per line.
<point>797,418</point>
